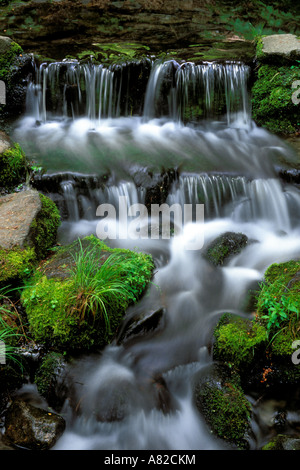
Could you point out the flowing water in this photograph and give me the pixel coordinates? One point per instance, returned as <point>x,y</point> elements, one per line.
<point>80,124</point>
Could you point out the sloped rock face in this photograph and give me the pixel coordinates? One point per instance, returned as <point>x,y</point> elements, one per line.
<point>31,427</point>
<point>5,142</point>
<point>17,212</point>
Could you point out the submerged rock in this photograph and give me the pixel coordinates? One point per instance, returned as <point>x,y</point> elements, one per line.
<point>224,247</point>
<point>32,428</point>
<point>141,325</point>
<point>51,380</point>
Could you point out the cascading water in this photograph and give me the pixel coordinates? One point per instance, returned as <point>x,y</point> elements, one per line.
<point>196,119</point>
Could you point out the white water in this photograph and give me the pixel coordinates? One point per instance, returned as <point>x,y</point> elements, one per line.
<point>245,196</point>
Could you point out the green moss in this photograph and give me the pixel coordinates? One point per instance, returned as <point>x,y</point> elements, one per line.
<point>12,166</point>
<point>225,246</point>
<point>282,272</point>
<point>278,306</point>
<point>238,340</point>
<point>48,373</point>
<point>114,53</point>
<point>272,104</point>
<point>53,299</point>
<point>44,227</point>
<point>225,408</point>
<point>7,59</point>
<point>16,264</point>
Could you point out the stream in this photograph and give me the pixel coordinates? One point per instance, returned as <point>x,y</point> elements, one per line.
<point>80,124</point>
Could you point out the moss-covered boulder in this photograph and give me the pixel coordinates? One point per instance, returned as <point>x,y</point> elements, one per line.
<point>239,341</point>
<point>278,307</point>
<point>13,167</point>
<point>264,349</point>
<point>273,94</point>
<point>228,244</point>
<point>15,66</point>
<point>16,264</point>
<point>51,379</point>
<point>77,298</point>
<point>221,399</point>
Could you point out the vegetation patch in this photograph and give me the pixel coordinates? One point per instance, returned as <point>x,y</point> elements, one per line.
<point>225,246</point>
<point>222,401</point>
<point>7,60</point>
<point>16,264</point>
<point>77,299</point>
<point>44,227</point>
<point>115,52</point>
<point>238,340</point>
<point>278,306</point>
<point>13,167</point>
<point>272,104</point>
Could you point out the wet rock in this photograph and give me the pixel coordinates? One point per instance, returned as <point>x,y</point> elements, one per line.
<point>32,428</point>
<point>157,186</point>
<point>141,325</point>
<point>282,442</point>
<point>11,379</point>
<point>224,247</point>
<point>51,380</point>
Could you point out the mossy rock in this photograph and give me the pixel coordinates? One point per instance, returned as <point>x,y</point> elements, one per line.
<point>44,227</point>
<point>9,52</point>
<point>13,167</point>
<point>273,106</point>
<point>278,307</point>
<point>31,221</point>
<point>239,341</point>
<point>16,264</point>
<point>221,399</point>
<point>53,300</point>
<point>224,247</point>
<point>50,379</point>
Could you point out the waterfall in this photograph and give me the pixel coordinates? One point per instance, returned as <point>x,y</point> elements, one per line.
<point>82,201</point>
<point>180,92</point>
<point>240,198</point>
<point>198,91</point>
<point>95,120</point>
<point>71,89</point>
